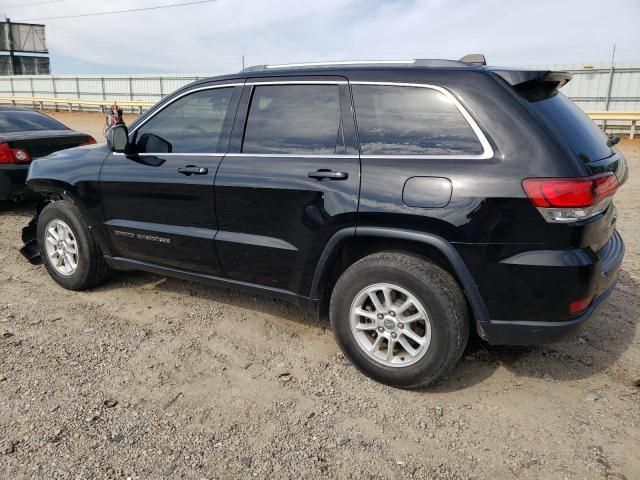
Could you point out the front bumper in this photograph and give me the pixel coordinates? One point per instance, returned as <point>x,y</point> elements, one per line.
<point>12,181</point>
<point>525,332</point>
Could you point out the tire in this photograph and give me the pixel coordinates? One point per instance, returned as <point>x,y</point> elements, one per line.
<point>437,302</point>
<point>90,268</point>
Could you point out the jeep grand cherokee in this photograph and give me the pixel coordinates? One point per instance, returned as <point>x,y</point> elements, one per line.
<point>411,201</point>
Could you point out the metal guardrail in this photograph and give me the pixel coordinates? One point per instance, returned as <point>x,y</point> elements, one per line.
<point>42,101</point>
<point>632,117</point>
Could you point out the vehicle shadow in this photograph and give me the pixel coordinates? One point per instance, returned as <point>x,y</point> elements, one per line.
<point>593,349</point>
<point>236,298</point>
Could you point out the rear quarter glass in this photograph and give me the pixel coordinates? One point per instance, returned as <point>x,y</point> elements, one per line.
<point>573,127</point>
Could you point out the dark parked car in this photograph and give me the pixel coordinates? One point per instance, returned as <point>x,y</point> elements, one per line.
<point>411,201</point>
<point>24,136</point>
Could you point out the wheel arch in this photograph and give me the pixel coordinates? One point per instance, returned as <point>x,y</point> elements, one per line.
<point>427,245</point>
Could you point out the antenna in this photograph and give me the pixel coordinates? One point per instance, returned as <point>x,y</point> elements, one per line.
<point>476,58</point>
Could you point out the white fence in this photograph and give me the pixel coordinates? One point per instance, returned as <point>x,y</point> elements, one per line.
<point>602,88</point>
<point>598,88</point>
<point>96,87</point>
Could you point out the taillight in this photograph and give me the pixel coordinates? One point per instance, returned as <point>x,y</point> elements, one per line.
<point>5,154</point>
<point>90,141</point>
<point>13,155</point>
<point>571,199</point>
<point>580,305</point>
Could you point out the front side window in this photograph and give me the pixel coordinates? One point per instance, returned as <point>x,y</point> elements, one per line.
<point>191,124</point>
<point>401,120</point>
<point>293,119</point>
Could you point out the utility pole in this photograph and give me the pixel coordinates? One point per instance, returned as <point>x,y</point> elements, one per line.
<point>242,61</point>
<point>608,99</point>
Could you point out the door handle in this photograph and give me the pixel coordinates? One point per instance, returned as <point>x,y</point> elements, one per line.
<point>193,170</point>
<point>331,175</point>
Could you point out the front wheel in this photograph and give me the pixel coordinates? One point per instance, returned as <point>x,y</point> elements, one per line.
<point>401,320</point>
<point>67,249</point>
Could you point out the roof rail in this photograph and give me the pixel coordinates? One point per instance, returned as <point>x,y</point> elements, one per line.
<point>476,58</point>
<point>329,64</point>
<point>417,62</point>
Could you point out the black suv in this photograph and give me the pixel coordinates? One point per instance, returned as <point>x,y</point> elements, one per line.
<point>411,201</point>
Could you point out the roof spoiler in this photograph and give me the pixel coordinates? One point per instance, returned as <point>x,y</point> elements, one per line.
<point>520,78</point>
<point>476,58</point>
<point>534,85</point>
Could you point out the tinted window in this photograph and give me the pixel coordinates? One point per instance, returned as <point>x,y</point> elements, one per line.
<point>27,121</point>
<point>191,124</point>
<point>411,121</point>
<point>573,127</point>
<point>302,119</point>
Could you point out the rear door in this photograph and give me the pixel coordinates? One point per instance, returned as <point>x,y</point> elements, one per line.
<point>158,201</point>
<point>290,181</point>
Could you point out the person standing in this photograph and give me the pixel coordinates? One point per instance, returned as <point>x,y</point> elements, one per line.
<point>114,117</point>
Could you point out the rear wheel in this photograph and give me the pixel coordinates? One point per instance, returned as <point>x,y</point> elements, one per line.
<point>401,320</point>
<point>67,249</point>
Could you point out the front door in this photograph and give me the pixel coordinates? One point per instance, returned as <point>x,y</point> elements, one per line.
<point>158,200</point>
<point>290,181</point>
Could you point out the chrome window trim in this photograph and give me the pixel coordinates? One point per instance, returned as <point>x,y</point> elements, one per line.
<point>178,97</point>
<point>162,154</point>
<point>266,155</point>
<point>487,151</point>
<point>296,155</point>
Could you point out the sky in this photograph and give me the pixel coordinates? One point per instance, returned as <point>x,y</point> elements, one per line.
<point>213,37</point>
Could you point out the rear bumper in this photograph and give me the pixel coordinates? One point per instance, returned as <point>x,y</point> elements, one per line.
<point>603,276</point>
<point>499,332</point>
<point>12,181</point>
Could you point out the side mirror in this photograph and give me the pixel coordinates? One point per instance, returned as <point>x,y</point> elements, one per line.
<point>118,138</point>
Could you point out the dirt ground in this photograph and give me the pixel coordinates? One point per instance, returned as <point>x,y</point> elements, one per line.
<point>147,377</point>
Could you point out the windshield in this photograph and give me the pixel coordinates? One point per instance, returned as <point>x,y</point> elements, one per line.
<point>574,127</point>
<point>17,121</point>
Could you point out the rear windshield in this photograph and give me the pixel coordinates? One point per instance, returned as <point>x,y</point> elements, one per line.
<point>574,127</point>
<point>17,121</point>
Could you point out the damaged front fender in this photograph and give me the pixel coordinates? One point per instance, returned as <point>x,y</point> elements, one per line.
<point>30,249</point>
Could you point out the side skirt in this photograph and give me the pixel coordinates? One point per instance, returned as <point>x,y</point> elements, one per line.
<point>127,264</point>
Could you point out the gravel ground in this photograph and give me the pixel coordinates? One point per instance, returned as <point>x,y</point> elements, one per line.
<point>148,377</point>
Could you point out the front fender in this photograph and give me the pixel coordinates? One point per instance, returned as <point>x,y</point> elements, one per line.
<point>73,175</point>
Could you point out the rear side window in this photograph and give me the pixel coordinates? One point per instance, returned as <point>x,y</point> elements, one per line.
<point>294,119</point>
<point>573,127</point>
<point>400,120</point>
<point>17,121</point>
<point>191,124</point>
